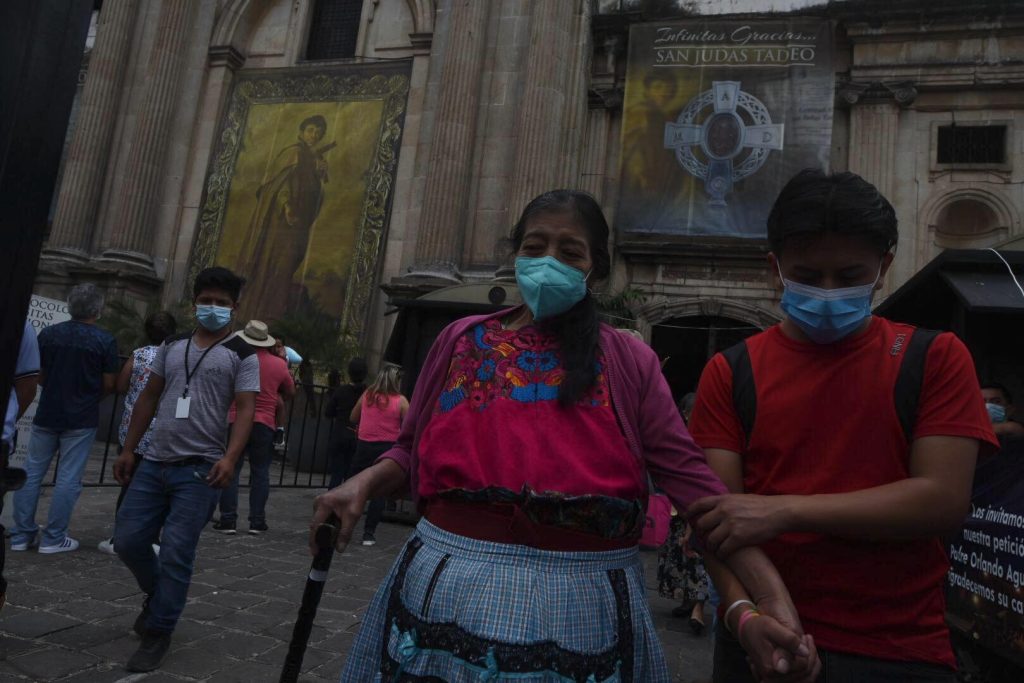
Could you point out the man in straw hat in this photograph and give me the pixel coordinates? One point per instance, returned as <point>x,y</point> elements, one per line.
<point>275,380</point>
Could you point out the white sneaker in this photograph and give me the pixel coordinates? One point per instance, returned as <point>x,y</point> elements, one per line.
<point>21,547</point>
<point>107,546</point>
<point>65,546</point>
<point>156,550</point>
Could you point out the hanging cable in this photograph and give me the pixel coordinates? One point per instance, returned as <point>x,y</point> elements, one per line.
<point>1008,268</point>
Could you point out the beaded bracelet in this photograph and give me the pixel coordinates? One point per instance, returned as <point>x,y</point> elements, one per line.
<point>725,619</point>
<point>744,618</point>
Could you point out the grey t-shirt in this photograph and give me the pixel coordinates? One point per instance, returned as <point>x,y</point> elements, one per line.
<point>228,368</point>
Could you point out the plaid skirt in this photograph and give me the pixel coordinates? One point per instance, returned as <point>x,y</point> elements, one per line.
<point>457,609</point>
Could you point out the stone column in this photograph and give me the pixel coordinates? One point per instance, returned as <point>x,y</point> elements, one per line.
<point>445,206</point>
<point>129,237</point>
<point>542,109</point>
<point>873,128</point>
<point>85,168</point>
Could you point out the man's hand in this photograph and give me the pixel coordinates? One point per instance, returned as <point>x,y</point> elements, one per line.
<point>728,523</point>
<point>221,474</point>
<point>124,468</point>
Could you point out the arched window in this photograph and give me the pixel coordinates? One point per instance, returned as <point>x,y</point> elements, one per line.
<point>969,220</point>
<point>333,29</point>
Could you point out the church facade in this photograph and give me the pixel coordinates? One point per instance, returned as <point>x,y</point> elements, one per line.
<point>345,155</point>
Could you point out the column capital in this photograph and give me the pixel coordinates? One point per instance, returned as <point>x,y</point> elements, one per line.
<point>226,55</point>
<point>900,93</point>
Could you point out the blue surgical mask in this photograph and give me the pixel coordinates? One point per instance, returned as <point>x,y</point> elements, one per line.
<point>212,317</point>
<point>548,286</point>
<point>996,412</point>
<point>827,315</point>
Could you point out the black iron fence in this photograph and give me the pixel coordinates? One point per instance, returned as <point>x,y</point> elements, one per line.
<point>302,462</point>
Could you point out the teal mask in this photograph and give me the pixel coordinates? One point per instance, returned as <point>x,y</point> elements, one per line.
<point>212,317</point>
<point>996,412</point>
<point>548,286</point>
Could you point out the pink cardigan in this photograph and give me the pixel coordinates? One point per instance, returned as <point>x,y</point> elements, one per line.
<point>640,396</point>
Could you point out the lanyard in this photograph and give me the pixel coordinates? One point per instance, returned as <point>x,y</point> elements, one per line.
<point>189,374</point>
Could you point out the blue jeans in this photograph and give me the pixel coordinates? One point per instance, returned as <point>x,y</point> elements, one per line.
<point>74,445</point>
<point>260,451</point>
<point>177,499</point>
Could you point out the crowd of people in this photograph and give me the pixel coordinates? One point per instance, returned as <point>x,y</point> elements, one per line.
<point>798,470</point>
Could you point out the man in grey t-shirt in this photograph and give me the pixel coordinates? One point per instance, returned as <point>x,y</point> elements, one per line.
<point>172,495</point>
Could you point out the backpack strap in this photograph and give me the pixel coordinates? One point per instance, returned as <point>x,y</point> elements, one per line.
<point>907,391</point>
<point>744,393</point>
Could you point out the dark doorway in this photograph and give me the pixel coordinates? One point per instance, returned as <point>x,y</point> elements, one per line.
<point>685,345</point>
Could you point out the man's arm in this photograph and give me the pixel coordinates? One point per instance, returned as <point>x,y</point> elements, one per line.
<point>25,389</point>
<point>224,469</point>
<point>109,382</point>
<point>932,501</point>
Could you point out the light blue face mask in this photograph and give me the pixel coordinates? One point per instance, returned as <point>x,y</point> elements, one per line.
<point>996,413</point>
<point>213,317</point>
<point>548,286</point>
<point>827,315</point>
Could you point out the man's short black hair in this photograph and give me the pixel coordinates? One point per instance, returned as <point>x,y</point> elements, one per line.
<point>357,370</point>
<point>220,278</point>
<point>998,386</point>
<point>814,202</point>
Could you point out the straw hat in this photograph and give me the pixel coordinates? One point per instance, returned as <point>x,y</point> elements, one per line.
<point>256,334</point>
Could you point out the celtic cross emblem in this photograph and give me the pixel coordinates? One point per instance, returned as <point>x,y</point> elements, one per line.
<point>722,137</point>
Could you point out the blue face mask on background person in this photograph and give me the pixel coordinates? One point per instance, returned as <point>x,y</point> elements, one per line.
<point>996,412</point>
<point>827,315</point>
<point>548,286</point>
<point>213,317</point>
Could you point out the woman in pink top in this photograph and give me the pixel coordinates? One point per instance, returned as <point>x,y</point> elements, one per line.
<point>379,415</point>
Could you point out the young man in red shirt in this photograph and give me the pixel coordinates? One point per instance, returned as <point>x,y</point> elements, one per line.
<point>847,501</point>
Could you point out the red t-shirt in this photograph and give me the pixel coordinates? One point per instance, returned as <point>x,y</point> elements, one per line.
<point>826,422</point>
<point>273,376</point>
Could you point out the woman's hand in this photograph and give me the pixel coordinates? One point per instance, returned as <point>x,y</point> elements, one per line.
<point>739,520</point>
<point>777,654</point>
<point>346,502</point>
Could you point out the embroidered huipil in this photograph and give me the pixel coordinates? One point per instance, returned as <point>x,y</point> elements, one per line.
<point>498,434</point>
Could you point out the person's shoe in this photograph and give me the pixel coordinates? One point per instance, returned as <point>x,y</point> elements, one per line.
<point>684,610</point>
<point>697,626</point>
<point>368,539</point>
<point>140,621</point>
<point>156,549</point>
<point>151,653</point>
<point>257,529</point>
<point>24,545</point>
<point>224,527</point>
<point>66,546</point>
<point>107,546</point>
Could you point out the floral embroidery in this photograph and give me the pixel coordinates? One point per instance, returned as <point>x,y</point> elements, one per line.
<point>520,365</point>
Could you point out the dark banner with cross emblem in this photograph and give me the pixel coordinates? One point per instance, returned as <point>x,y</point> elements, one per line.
<point>718,115</point>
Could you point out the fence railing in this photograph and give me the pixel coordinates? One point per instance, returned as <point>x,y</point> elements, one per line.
<point>302,463</point>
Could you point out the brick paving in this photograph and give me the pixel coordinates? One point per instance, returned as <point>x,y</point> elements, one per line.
<point>69,616</point>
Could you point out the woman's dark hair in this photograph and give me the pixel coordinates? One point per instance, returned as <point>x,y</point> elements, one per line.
<point>578,330</point>
<point>220,278</point>
<point>357,370</point>
<point>159,326</point>
<point>813,202</point>
<point>317,120</point>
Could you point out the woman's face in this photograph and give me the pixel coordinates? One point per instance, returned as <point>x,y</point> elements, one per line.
<point>558,234</point>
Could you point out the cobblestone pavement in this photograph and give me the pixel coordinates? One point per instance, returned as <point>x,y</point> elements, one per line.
<point>69,616</point>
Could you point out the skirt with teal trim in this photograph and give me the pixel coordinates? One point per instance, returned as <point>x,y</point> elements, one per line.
<point>456,609</point>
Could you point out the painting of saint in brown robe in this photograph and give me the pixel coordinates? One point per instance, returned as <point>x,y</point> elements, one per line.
<point>288,202</point>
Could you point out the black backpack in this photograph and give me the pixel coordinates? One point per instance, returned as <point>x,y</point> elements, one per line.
<point>905,393</point>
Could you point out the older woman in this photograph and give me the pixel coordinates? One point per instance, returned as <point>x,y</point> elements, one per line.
<point>528,444</point>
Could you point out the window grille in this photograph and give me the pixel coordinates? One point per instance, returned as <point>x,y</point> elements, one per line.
<point>333,29</point>
<point>971,144</point>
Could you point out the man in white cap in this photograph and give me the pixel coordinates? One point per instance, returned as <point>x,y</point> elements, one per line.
<point>275,380</point>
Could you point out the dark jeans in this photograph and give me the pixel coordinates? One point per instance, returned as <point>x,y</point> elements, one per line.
<point>366,453</point>
<point>836,667</point>
<point>340,451</point>
<point>177,499</point>
<point>260,451</point>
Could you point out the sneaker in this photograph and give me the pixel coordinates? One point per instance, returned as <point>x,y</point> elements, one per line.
<point>151,653</point>
<point>140,621</point>
<point>65,546</point>
<point>279,437</point>
<point>224,527</point>
<point>156,549</point>
<point>368,539</point>
<point>24,545</point>
<point>107,546</point>
<point>257,529</point>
